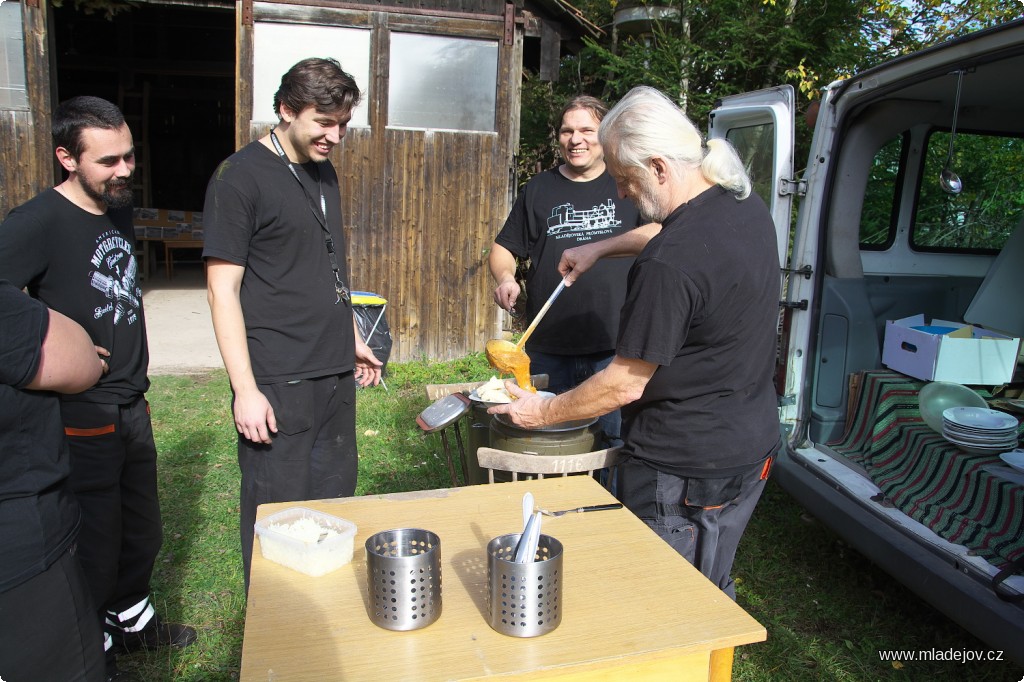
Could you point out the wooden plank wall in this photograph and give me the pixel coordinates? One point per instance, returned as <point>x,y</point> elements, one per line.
<point>418,233</point>
<point>26,153</point>
<point>422,207</point>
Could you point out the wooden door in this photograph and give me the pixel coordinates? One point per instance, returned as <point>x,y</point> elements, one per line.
<point>422,204</point>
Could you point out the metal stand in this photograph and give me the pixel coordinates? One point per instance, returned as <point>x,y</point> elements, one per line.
<point>448,454</point>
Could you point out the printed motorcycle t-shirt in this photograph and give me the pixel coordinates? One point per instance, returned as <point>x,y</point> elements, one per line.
<point>83,265</point>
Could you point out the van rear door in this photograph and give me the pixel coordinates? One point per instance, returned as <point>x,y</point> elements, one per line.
<point>760,126</point>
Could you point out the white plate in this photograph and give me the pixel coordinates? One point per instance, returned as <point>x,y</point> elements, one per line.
<point>1002,434</point>
<point>975,450</point>
<point>979,449</point>
<point>994,448</point>
<point>979,418</point>
<point>1004,445</point>
<point>1015,458</point>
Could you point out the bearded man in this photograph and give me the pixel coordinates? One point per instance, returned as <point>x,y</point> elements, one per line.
<point>73,248</point>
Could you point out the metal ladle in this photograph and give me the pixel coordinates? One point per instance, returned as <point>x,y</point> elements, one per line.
<point>506,356</point>
<point>948,179</point>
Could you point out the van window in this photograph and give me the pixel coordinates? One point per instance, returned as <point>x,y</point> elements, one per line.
<point>982,216</point>
<point>879,213</point>
<point>755,145</point>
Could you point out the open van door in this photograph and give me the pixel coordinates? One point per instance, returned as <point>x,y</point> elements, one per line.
<point>760,126</point>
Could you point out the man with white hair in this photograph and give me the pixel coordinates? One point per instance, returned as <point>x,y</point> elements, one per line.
<point>695,352</point>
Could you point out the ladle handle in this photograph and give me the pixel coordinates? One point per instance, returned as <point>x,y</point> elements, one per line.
<point>543,311</point>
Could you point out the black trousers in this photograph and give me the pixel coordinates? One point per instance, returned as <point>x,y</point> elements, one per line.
<point>702,519</point>
<point>48,627</point>
<point>113,476</point>
<point>311,457</point>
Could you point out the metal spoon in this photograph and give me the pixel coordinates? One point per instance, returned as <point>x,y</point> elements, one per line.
<point>527,509</point>
<point>509,357</point>
<point>948,179</point>
<point>526,549</point>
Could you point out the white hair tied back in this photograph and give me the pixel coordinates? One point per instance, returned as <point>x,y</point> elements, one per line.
<point>645,124</point>
<point>722,166</point>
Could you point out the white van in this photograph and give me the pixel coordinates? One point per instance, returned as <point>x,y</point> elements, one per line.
<point>881,234</point>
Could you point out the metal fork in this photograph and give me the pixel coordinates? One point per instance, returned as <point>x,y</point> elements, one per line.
<point>580,510</point>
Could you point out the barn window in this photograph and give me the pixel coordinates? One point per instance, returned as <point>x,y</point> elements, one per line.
<point>442,82</point>
<point>277,47</point>
<point>13,91</point>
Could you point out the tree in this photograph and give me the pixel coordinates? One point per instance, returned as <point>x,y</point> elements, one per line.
<point>710,49</point>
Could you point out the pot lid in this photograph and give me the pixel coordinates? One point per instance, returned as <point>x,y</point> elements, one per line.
<point>443,412</point>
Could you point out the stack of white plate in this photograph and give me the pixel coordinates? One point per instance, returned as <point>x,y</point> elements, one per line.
<point>979,430</point>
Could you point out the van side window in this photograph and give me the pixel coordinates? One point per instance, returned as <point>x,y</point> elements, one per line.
<point>880,210</point>
<point>982,216</point>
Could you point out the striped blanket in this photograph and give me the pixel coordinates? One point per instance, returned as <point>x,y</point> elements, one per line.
<point>928,478</point>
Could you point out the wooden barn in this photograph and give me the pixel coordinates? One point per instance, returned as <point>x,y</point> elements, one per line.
<point>427,168</point>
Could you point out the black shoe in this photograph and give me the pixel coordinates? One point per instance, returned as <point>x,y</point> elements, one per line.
<point>156,633</point>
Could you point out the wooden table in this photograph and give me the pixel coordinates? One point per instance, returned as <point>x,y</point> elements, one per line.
<point>632,607</point>
<point>170,245</point>
<point>145,252</point>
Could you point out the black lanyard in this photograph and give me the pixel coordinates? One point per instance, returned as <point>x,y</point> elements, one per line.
<point>339,286</point>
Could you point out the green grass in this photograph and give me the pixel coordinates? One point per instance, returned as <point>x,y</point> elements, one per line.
<point>828,611</point>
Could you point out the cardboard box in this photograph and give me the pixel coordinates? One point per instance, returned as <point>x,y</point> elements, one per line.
<point>949,351</point>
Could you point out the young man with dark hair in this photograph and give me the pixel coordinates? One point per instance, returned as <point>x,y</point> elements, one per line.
<point>278,289</point>
<point>73,248</point>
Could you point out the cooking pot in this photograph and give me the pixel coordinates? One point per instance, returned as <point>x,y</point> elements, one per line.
<point>479,437</point>
<point>567,438</point>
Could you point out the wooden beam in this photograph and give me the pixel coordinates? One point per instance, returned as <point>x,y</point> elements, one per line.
<point>550,51</point>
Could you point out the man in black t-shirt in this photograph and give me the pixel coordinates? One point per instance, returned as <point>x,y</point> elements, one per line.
<point>572,204</point>
<point>48,628</point>
<point>279,296</point>
<point>696,344</point>
<point>73,248</point>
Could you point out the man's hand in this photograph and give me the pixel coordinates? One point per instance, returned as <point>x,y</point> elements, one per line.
<point>527,410</point>
<point>506,294</point>
<point>103,354</point>
<point>502,264</point>
<point>576,261</point>
<point>254,417</point>
<point>367,372</point>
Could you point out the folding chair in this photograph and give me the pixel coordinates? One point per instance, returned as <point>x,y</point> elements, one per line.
<point>363,302</point>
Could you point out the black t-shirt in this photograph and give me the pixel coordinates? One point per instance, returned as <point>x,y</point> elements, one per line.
<point>552,214</point>
<point>703,303</point>
<point>38,514</point>
<point>257,215</point>
<point>83,265</point>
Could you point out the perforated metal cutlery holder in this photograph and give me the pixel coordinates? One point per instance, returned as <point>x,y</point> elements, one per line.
<point>525,600</point>
<point>403,576</point>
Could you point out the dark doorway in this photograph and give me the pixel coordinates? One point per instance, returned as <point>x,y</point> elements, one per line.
<point>171,69</point>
